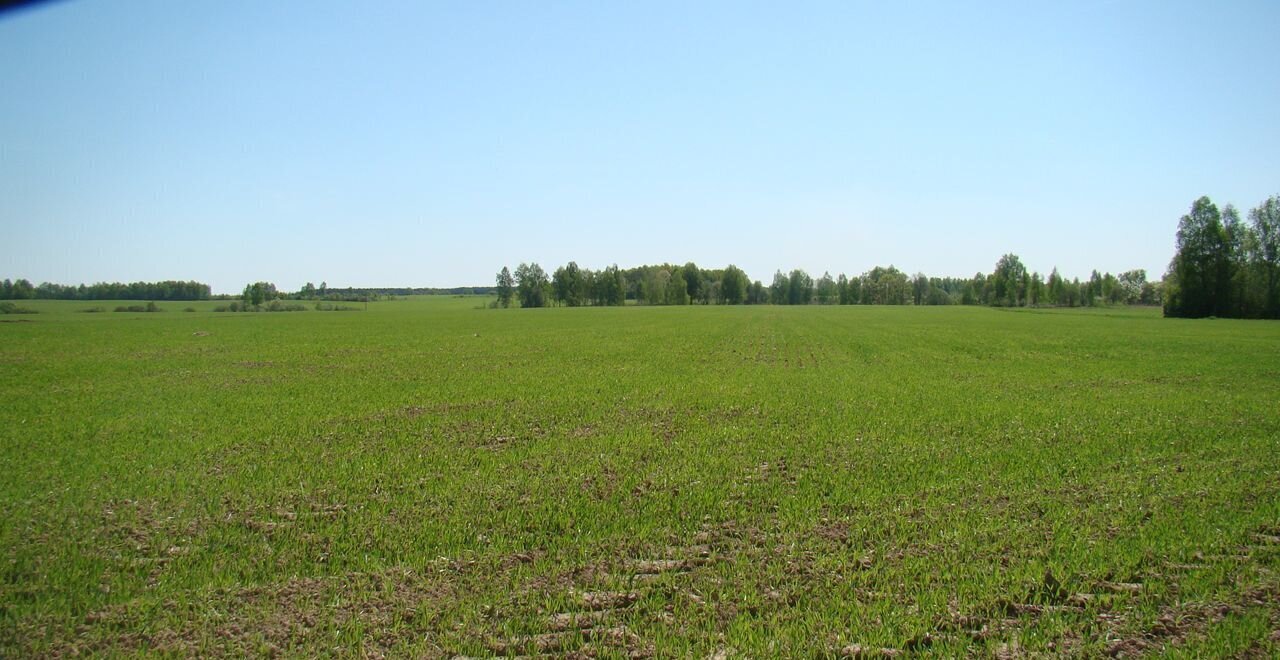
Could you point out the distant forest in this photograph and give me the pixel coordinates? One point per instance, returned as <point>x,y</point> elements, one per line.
<point>22,289</point>
<point>1223,267</point>
<point>168,290</point>
<point>1010,284</point>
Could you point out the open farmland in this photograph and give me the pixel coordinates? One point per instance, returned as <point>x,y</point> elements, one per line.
<point>431,478</point>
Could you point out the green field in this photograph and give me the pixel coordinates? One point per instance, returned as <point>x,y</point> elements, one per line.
<point>429,478</point>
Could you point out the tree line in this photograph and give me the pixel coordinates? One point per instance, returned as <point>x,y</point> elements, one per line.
<point>1223,266</point>
<point>22,289</point>
<point>310,291</point>
<point>1010,284</point>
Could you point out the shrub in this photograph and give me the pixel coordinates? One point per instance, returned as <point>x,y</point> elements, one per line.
<point>189,309</point>
<point>92,310</point>
<point>330,307</point>
<point>149,307</point>
<point>273,306</point>
<point>11,308</point>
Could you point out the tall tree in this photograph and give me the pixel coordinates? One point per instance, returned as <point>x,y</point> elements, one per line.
<point>1008,281</point>
<point>22,290</point>
<point>825,290</point>
<point>693,280</point>
<point>778,290</point>
<point>919,288</point>
<point>1131,284</point>
<point>1265,221</point>
<point>677,292</point>
<point>1199,283</point>
<point>733,285</point>
<point>566,285</point>
<point>613,285</point>
<point>506,287</point>
<point>532,285</point>
<point>842,289</point>
<point>1239,239</point>
<point>799,288</point>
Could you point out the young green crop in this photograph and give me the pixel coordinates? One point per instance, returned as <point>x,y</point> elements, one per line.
<point>429,477</point>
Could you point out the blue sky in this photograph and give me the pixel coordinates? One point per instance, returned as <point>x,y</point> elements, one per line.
<point>429,144</point>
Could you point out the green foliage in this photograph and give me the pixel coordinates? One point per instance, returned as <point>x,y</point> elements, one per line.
<point>1223,266</point>
<point>1008,282</point>
<point>1200,271</point>
<point>692,276</point>
<point>779,289</point>
<point>677,290</point>
<point>799,288</point>
<point>149,307</point>
<point>273,306</point>
<point>10,308</point>
<point>258,293</point>
<point>330,307</point>
<point>533,288</point>
<point>506,287</point>
<point>824,290</point>
<point>885,286</point>
<point>167,290</point>
<point>734,285</point>
<point>1264,252</point>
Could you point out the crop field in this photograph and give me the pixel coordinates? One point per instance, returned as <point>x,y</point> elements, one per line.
<point>431,478</point>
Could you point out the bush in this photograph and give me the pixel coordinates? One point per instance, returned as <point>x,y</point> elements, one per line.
<point>11,308</point>
<point>149,307</point>
<point>279,306</point>
<point>189,309</point>
<point>273,306</point>
<point>330,307</point>
<point>92,310</point>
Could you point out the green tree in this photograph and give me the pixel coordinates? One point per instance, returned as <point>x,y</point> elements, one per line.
<point>613,286</point>
<point>799,288</point>
<point>733,285</point>
<point>885,286</point>
<point>842,289</point>
<point>532,285</point>
<point>825,290</point>
<point>693,280</point>
<point>778,290</point>
<point>1199,279</point>
<point>506,287</point>
<point>677,291</point>
<point>1132,283</point>
<point>566,285</point>
<point>919,288</point>
<point>1008,281</point>
<point>257,293</point>
<point>22,290</point>
<point>1265,254</point>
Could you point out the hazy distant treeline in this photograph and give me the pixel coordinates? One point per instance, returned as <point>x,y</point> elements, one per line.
<point>167,290</point>
<point>1009,284</point>
<point>310,291</point>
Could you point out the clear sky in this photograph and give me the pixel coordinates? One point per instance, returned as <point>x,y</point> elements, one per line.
<point>429,144</point>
